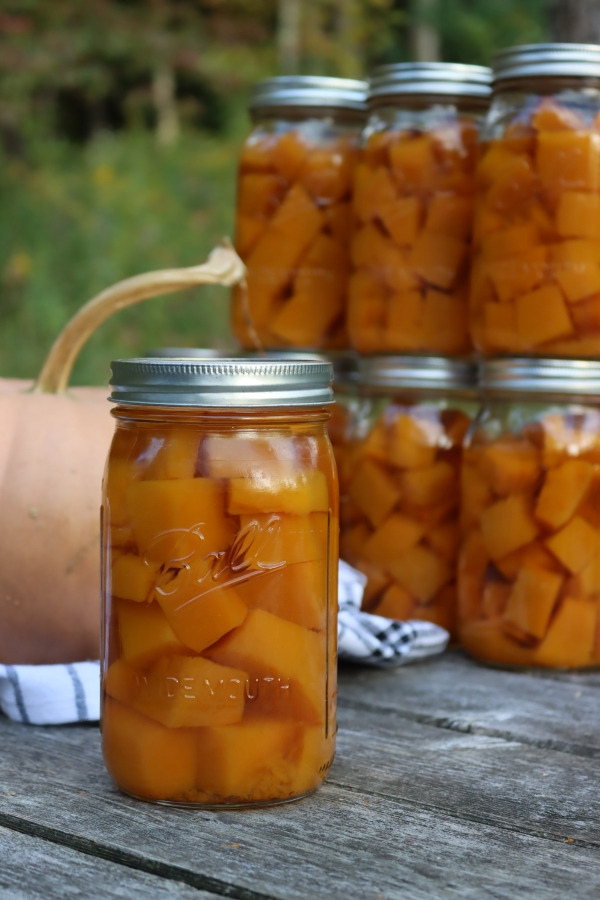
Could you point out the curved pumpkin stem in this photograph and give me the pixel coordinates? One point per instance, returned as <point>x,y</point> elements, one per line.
<point>222,267</point>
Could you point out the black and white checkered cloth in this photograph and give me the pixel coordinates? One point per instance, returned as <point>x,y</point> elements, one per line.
<point>60,694</point>
<point>372,640</point>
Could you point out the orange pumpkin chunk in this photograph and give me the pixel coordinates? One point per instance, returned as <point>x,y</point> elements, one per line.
<point>507,525</point>
<point>421,572</point>
<point>284,661</point>
<point>181,691</point>
<point>570,638</point>
<point>301,494</point>
<point>542,316</point>
<point>394,536</point>
<point>532,599</point>
<point>132,577</point>
<point>139,754</point>
<point>258,760</point>
<point>172,518</point>
<point>563,490</point>
<point>198,608</point>
<point>374,490</point>
<point>576,544</point>
<point>145,633</point>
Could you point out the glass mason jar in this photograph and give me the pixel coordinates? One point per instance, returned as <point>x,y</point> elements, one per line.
<point>529,562</point>
<point>400,491</point>
<point>535,287</point>
<point>219,581</point>
<point>413,206</point>
<point>293,212</point>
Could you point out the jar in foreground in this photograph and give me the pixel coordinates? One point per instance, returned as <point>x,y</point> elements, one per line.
<point>293,212</point>
<point>219,584</point>
<point>400,489</point>
<point>535,286</point>
<point>529,562</point>
<point>413,207</point>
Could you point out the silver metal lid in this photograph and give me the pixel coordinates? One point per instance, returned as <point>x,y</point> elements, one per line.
<point>512,375</point>
<point>344,361</point>
<point>417,373</point>
<point>455,79</point>
<point>534,60</point>
<point>221,383</point>
<point>309,91</point>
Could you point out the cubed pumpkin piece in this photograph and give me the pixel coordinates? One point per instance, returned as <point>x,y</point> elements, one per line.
<point>395,603</point>
<point>248,455</point>
<point>437,258</point>
<point>533,555</point>
<point>413,441</point>
<point>518,274</point>
<point>563,490</point>
<point>450,214</point>
<point>569,160</point>
<point>177,455</point>
<point>373,190</point>
<point>576,544</point>
<point>401,217</point>
<point>394,536</point>
<point>413,163</point>
<point>268,540</point>
<point>298,592</point>
<point>576,268</point>
<point>180,691</point>
<point>171,519</point>
<point>199,608</point>
<point>374,490</point>
<point>488,641</point>
<point>288,153</point>
<point>430,485</point>
<point>404,323</point>
<point>578,215</point>
<point>532,600</point>
<point>254,761</point>
<point>421,572</point>
<point>259,194</point>
<point>144,758</point>
<point>507,525</point>
<point>326,172</point>
<point>144,633</point>
<point>301,494</point>
<point>570,638</point>
<point>285,663</point>
<point>132,577</point>
<point>510,465</point>
<point>542,316</point>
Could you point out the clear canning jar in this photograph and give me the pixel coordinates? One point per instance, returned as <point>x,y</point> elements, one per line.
<point>293,212</point>
<point>529,562</point>
<point>413,206</point>
<point>219,581</point>
<point>400,494</point>
<point>535,288</point>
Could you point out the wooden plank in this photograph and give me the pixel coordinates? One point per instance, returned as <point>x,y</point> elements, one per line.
<point>31,867</point>
<point>551,709</point>
<point>366,833</point>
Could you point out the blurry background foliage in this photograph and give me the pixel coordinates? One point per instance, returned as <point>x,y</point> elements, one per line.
<point>121,123</point>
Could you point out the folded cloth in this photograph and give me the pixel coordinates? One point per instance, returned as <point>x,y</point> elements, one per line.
<point>70,692</point>
<point>374,640</point>
<point>51,695</point>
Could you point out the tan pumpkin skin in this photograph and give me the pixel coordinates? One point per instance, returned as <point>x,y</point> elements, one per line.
<point>52,456</point>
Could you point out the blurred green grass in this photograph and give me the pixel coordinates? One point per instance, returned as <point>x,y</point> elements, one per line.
<point>74,220</point>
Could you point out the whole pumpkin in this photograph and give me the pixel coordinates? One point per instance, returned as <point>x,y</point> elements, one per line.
<point>53,447</point>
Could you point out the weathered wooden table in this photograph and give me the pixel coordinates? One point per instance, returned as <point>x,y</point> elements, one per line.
<point>450,780</point>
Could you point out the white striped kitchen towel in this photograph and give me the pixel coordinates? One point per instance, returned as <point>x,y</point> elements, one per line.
<point>64,693</point>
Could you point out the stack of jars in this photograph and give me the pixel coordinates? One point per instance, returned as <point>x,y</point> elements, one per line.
<point>354,218</point>
<point>529,569</point>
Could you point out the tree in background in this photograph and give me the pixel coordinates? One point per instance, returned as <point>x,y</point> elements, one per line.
<point>575,21</point>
